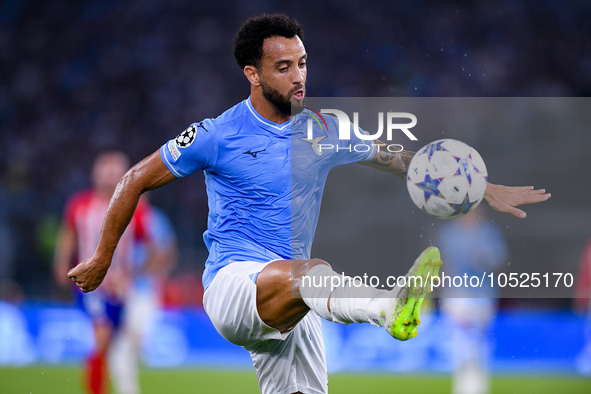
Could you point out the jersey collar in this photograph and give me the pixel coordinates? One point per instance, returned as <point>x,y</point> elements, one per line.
<point>266,124</point>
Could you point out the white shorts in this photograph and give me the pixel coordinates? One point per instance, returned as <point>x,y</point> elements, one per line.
<point>285,362</point>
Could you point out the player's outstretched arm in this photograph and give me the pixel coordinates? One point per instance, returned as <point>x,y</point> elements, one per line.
<point>394,162</point>
<point>505,199</point>
<point>149,174</point>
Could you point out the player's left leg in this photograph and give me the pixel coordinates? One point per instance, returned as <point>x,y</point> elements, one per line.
<point>294,364</point>
<point>231,303</point>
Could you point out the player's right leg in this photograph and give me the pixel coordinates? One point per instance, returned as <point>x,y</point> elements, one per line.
<point>279,301</point>
<point>403,315</point>
<point>264,308</point>
<point>281,284</point>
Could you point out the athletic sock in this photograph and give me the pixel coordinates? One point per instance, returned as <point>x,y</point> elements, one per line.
<point>123,362</point>
<point>95,374</point>
<point>350,301</point>
<point>350,304</point>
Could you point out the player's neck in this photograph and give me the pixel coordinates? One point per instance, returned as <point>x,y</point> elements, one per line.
<point>267,110</point>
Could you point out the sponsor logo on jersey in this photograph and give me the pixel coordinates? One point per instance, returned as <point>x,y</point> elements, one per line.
<point>253,153</point>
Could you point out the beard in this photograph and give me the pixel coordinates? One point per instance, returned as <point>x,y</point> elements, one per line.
<point>283,103</point>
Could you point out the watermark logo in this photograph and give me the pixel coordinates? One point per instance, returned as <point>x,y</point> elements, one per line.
<point>316,116</point>
<point>316,147</point>
<point>391,120</point>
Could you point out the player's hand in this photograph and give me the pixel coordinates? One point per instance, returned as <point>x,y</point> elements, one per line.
<point>505,199</point>
<point>88,275</point>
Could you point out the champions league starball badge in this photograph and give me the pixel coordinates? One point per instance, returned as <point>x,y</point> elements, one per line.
<point>186,138</point>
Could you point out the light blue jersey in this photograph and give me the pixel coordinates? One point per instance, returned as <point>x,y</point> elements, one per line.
<point>264,181</point>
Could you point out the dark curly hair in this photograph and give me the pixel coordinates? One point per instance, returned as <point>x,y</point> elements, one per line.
<point>248,43</point>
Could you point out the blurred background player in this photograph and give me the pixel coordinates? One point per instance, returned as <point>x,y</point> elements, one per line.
<point>79,236</point>
<point>472,245</point>
<point>153,263</point>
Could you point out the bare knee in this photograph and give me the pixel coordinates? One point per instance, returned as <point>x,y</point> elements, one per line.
<point>280,272</point>
<point>279,301</point>
<point>281,275</point>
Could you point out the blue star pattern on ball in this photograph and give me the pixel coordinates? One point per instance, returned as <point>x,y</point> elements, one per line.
<point>430,186</point>
<point>463,208</point>
<point>435,146</point>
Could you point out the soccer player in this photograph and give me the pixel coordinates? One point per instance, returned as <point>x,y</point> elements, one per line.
<point>264,182</point>
<point>154,261</point>
<point>79,236</point>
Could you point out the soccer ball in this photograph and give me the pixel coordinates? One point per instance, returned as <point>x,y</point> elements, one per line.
<point>447,178</point>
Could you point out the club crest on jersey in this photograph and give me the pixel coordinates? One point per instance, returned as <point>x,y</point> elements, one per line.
<point>316,147</point>
<point>186,138</point>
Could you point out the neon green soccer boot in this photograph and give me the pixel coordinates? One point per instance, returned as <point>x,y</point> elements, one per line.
<point>402,318</point>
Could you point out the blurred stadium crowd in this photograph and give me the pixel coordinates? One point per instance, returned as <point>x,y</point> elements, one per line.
<point>80,77</point>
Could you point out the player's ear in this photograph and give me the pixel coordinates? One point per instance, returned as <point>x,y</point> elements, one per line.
<point>252,74</point>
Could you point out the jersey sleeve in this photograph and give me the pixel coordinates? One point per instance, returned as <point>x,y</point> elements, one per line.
<point>192,150</point>
<point>354,149</point>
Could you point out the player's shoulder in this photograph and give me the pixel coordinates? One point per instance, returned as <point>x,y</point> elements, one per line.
<point>213,126</point>
<point>230,116</point>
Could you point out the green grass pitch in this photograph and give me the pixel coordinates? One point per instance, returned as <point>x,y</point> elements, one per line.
<point>49,379</point>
